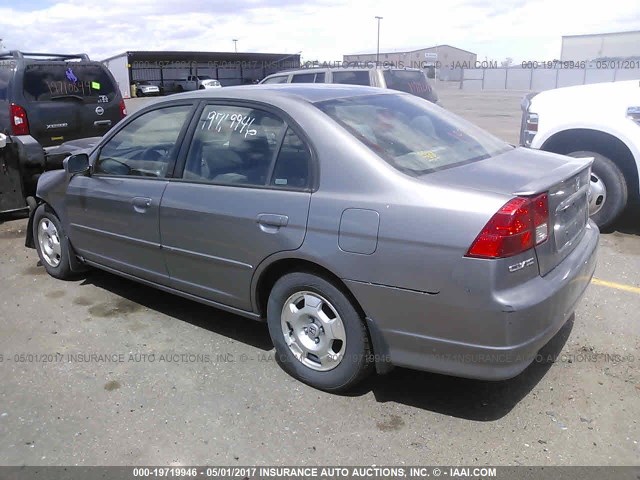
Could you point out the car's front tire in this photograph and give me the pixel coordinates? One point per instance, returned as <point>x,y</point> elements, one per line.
<point>319,336</point>
<point>609,191</point>
<point>51,242</point>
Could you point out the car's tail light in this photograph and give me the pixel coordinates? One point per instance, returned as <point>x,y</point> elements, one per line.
<point>18,120</point>
<point>521,224</point>
<point>123,109</point>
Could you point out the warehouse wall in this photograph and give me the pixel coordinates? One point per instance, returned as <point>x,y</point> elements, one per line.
<point>591,47</point>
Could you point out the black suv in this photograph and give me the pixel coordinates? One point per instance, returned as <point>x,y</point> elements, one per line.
<point>50,105</point>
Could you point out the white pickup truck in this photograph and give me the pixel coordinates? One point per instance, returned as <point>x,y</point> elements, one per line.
<point>197,82</point>
<point>601,120</point>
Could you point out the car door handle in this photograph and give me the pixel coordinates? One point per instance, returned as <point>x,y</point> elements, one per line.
<point>102,123</point>
<point>271,222</point>
<point>141,204</point>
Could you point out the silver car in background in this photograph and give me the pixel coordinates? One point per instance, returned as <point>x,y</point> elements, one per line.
<point>368,227</point>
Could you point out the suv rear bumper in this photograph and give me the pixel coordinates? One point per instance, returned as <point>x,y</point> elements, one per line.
<point>527,317</point>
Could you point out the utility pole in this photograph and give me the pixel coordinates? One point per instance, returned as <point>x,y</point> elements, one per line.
<point>235,44</point>
<point>378,49</point>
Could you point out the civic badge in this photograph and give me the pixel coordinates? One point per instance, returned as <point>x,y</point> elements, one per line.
<point>99,110</point>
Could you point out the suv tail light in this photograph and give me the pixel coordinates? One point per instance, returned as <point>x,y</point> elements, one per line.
<point>521,224</point>
<point>529,128</point>
<point>18,120</point>
<point>123,109</point>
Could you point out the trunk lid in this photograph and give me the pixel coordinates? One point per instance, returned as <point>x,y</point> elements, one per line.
<point>523,172</point>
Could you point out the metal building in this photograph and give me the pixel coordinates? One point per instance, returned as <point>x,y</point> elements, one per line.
<point>164,68</point>
<point>619,45</point>
<point>446,56</point>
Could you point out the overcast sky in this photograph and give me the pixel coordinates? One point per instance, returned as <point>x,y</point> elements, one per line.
<point>320,29</point>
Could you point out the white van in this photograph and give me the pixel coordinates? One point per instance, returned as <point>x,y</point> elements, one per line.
<point>410,80</point>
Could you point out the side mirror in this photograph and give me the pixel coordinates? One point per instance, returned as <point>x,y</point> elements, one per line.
<point>77,164</point>
<point>3,140</point>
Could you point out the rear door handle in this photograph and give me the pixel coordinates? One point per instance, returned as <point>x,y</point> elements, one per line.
<point>271,222</point>
<point>141,204</point>
<point>102,123</point>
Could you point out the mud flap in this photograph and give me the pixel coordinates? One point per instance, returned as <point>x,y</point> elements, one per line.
<point>33,204</point>
<point>380,349</point>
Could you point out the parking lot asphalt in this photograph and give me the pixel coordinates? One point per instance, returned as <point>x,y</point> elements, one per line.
<point>174,382</point>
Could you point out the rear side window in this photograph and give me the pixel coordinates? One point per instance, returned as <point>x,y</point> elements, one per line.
<point>359,77</point>
<point>233,145</point>
<point>304,78</point>
<point>320,77</point>
<point>281,79</point>
<point>292,165</point>
<point>91,83</point>
<point>5,76</point>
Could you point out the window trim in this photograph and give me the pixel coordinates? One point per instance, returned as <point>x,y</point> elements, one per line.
<point>288,121</point>
<point>95,154</point>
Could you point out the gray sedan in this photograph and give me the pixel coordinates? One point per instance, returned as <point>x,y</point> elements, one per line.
<point>368,227</point>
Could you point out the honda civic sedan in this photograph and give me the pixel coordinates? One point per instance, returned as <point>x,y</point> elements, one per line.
<point>369,228</point>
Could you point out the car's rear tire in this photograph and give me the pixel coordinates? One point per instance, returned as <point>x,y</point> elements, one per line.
<point>609,191</point>
<point>310,316</point>
<point>201,87</point>
<point>51,242</point>
<point>180,88</point>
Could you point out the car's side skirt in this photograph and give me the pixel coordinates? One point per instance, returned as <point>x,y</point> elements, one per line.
<point>195,298</point>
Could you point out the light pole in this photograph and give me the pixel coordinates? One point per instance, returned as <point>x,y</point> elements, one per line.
<point>235,44</point>
<point>378,49</point>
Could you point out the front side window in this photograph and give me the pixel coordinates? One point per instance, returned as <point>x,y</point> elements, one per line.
<point>146,146</point>
<point>233,145</point>
<point>357,77</point>
<point>411,134</point>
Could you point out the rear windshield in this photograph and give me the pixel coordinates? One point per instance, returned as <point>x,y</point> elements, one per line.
<point>409,81</point>
<point>411,134</point>
<point>90,83</point>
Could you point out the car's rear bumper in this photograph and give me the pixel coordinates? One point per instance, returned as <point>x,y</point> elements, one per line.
<point>523,320</point>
